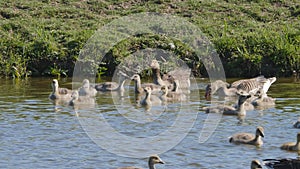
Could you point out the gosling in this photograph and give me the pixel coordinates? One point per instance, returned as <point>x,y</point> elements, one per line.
<point>292,146</point>
<point>59,93</point>
<point>248,138</point>
<point>154,159</point>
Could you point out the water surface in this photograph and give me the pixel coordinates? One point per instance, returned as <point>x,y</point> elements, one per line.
<point>36,133</point>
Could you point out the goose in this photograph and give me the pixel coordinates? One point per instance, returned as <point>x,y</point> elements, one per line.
<point>263,100</point>
<point>81,100</point>
<point>248,138</point>
<point>255,164</point>
<point>244,85</point>
<point>149,99</point>
<point>86,89</point>
<point>171,96</point>
<point>285,163</point>
<point>156,74</point>
<point>180,74</point>
<point>154,159</point>
<point>292,146</point>
<point>257,84</point>
<point>230,110</point>
<point>112,86</point>
<point>222,88</point>
<point>59,93</point>
<point>138,87</point>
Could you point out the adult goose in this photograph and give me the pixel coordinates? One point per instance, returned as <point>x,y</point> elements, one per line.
<point>86,89</point>
<point>255,164</point>
<point>285,163</point>
<point>154,159</point>
<point>230,110</point>
<point>248,138</point>
<point>244,85</point>
<point>292,146</point>
<point>157,76</point>
<point>59,93</point>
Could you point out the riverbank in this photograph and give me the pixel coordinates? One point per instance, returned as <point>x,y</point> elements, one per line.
<point>44,38</point>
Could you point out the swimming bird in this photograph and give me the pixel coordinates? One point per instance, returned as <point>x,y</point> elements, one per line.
<point>292,146</point>
<point>149,99</point>
<point>244,85</point>
<point>86,89</point>
<point>59,93</point>
<point>171,96</point>
<point>248,138</point>
<point>156,74</point>
<point>113,86</point>
<point>221,88</point>
<point>230,110</point>
<point>154,159</point>
<point>263,100</point>
<point>284,163</point>
<point>255,164</point>
<point>138,87</point>
<point>81,101</point>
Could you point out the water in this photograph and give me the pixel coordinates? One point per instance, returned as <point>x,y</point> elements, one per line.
<point>35,133</point>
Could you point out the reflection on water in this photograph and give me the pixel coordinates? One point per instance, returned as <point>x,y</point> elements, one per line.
<point>35,133</point>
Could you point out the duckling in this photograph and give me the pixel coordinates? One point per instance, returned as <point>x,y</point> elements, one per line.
<point>292,146</point>
<point>149,99</point>
<point>255,164</point>
<point>59,93</point>
<point>248,138</point>
<point>229,110</point>
<point>138,87</point>
<point>154,159</point>
<point>86,89</point>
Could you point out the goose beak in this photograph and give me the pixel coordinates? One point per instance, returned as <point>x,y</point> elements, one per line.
<point>161,162</point>
<point>262,134</point>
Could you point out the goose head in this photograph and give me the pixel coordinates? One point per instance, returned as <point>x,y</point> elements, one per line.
<point>243,98</point>
<point>85,83</point>
<point>154,64</point>
<point>155,159</point>
<point>75,95</point>
<point>260,131</point>
<point>147,89</point>
<point>164,89</point>
<point>255,164</point>
<point>54,84</point>
<point>135,77</point>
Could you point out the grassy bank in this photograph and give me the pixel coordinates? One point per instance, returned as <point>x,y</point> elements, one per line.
<point>44,37</point>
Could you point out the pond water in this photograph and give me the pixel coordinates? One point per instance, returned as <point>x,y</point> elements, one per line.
<point>36,133</point>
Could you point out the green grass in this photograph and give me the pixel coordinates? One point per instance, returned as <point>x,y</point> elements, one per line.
<point>252,37</point>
